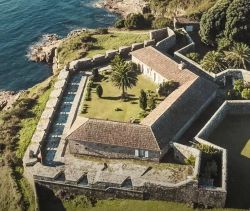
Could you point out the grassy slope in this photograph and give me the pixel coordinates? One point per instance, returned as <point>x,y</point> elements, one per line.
<point>67,51</point>
<point>104,108</point>
<point>14,187</point>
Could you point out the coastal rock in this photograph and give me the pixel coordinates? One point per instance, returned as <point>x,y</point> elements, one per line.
<point>7,98</point>
<point>123,7</point>
<point>44,50</point>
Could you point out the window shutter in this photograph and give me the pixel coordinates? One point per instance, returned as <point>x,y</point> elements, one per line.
<point>146,154</point>
<point>136,153</point>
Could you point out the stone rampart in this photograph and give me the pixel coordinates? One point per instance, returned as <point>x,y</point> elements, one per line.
<point>168,42</point>
<point>197,69</point>
<point>158,34</point>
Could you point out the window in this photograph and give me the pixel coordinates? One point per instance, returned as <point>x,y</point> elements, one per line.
<point>136,152</point>
<point>141,153</point>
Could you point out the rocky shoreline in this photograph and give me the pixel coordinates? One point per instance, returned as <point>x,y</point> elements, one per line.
<point>7,98</point>
<point>122,7</point>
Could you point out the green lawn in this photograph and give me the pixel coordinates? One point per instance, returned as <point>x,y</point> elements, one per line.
<point>104,108</point>
<point>234,134</point>
<point>114,40</point>
<point>75,47</point>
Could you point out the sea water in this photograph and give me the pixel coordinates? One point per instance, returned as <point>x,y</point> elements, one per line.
<point>23,22</point>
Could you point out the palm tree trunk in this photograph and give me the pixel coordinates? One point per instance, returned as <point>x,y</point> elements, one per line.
<point>123,91</point>
<point>244,64</point>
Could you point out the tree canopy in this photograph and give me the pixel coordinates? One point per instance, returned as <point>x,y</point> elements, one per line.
<point>123,76</point>
<point>229,18</point>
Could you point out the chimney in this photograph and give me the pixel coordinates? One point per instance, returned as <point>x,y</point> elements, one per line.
<point>182,65</point>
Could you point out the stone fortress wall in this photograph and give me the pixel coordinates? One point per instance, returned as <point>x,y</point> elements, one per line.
<point>197,69</point>
<point>186,191</point>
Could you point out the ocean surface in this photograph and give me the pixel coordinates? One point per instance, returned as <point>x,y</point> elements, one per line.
<point>23,22</point>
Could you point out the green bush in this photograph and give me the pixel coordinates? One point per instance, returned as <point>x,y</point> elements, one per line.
<point>120,23</point>
<point>99,90</point>
<point>143,100</point>
<point>135,21</point>
<point>166,88</point>
<point>161,22</point>
<point>194,56</point>
<point>102,31</point>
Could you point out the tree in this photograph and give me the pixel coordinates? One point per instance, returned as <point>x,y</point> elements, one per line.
<point>213,22</point>
<point>166,88</point>
<point>213,62</point>
<point>237,21</point>
<point>135,21</point>
<point>151,103</point>
<point>161,22</point>
<point>245,94</point>
<point>238,56</point>
<point>143,100</point>
<point>99,90</point>
<point>95,73</point>
<point>122,74</point>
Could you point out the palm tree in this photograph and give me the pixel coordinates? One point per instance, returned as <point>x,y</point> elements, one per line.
<point>238,56</point>
<point>122,74</point>
<point>213,62</point>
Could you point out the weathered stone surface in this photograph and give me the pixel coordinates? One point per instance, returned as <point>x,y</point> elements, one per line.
<point>136,46</point>
<point>149,43</point>
<point>110,54</point>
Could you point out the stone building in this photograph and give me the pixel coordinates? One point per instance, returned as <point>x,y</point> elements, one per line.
<point>186,23</point>
<point>151,139</point>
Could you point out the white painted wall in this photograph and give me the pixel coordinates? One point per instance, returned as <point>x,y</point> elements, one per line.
<point>148,71</point>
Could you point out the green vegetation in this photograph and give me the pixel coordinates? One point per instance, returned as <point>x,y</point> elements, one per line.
<point>143,100</point>
<point>240,91</point>
<point>237,25</point>
<point>166,88</point>
<point>168,9</point>
<point>16,129</point>
<point>227,18</point>
<point>111,106</point>
<point>213,22</point>
<point>213,62</point>
<point>91,43</point>
<point>123,75</point>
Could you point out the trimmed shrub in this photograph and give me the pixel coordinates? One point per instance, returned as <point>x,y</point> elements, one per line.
<point>99,90</point>
<point>143,100</point>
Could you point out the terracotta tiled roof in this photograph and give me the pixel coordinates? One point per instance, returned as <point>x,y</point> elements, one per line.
<point>163,65</point>
<point>185,20</point>
<point>116,134</point>
<point>168,118</point>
